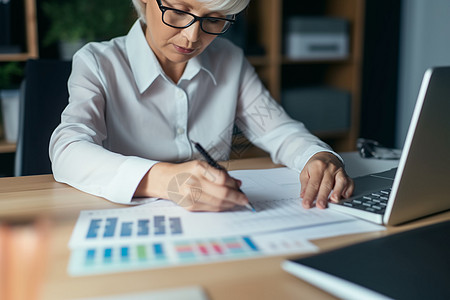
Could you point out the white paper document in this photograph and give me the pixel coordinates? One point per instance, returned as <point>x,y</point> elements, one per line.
<point>162,233</point>
<point>276,201</point>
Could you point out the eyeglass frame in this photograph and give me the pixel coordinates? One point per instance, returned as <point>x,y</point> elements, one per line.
<point>196,18</point>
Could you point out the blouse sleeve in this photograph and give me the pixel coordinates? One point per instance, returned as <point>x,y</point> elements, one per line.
<point>267,125</point>
<point>76,150</point>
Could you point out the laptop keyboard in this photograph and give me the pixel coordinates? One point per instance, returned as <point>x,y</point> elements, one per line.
<point>374,202</point>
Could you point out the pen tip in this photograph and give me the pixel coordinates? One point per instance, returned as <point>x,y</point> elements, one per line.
<point>250,207</point>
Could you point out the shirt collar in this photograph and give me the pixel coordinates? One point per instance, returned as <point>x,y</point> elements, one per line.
<point>198,63</point>
<point>145,65</point>
<point>142,60</point>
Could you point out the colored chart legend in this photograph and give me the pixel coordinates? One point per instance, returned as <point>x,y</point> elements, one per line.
<point>154,255</point>
<point>107,259</point>
<point>199,250</point>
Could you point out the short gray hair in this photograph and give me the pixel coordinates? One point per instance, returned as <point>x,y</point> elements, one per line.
<point>139,6</point>
<point>227,7</point>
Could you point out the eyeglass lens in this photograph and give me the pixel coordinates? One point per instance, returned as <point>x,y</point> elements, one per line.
<point>180,19</point>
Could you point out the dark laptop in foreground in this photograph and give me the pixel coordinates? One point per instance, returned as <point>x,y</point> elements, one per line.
<point>409,265</point>
<point>420,185</point>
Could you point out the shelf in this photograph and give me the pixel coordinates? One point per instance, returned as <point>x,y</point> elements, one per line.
<point>31,36</point>
<point>258,61</point>
<point>16,57</point>
<point>266,20</point>
<point>30,51</point>
<point>7,147</point>
<point>291,61</point>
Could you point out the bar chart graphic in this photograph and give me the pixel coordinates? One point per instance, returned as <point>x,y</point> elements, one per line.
<point>114,228</point>
<point>125,257</point>
<point>147,237</point>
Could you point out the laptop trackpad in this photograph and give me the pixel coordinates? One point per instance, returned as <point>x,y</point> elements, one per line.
<point>370,183</point>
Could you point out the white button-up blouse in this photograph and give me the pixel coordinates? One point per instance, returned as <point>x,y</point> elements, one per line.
<point>124,115</point>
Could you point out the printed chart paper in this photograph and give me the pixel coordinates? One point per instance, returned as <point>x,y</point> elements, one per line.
<point>164,253</point>
<point>143,222</point>
<point>161,234</point>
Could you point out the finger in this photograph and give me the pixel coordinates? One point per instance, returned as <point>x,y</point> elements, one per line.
<point>311,191</point>
<point>326,186</point>
<point>304,178</point>
<point>208,172</point>
<point>211,202</point>
<point>218,176</point>
<point>216,194</point>
<point>194,198</point>
<point>231,181</point>
<point>239,182</point>
<point>340,186</point>
<point>184,189</point>
<point>348,191</point>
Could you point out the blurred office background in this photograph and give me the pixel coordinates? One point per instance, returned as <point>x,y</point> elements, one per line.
<point>424,42</point>
<point>401,39</point>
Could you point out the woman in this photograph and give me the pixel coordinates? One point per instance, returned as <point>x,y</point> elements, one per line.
<point>137,102</point>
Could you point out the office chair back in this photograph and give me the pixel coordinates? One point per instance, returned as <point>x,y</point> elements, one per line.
<point>44,97</point>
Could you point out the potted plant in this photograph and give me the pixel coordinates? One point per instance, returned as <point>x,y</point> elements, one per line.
<point>11,74</point>
<point>76,22</point>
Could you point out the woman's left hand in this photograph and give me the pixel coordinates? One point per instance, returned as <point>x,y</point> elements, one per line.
<point>323,178</point>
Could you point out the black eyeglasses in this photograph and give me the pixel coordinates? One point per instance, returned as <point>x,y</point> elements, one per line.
<point>182,19</point>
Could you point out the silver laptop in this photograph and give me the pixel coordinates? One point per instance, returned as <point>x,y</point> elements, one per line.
<point>420,186</point>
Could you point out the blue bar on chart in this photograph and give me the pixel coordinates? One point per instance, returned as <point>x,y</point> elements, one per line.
<point>143,227</point>
<point>90,256</point>
<point>93,229</point>
<point>175,226</point>
<point>110,227</point>
<point>160,225</point>
<point>125,253</point>
<point>126,229</point>
<point>114,227</point>
<point>152,254</point>
<point>159,251</point>
<point>107,256</point>
<point>250,243</point>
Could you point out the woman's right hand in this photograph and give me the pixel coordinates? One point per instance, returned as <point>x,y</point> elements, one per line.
<point>194,185</point>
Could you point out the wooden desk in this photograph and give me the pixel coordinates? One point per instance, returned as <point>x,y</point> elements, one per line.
<point>261,278</point>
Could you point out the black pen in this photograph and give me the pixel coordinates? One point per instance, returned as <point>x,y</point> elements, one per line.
<point>212,162</point>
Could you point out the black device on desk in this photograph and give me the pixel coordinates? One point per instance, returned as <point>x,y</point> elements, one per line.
<point>409,265</point>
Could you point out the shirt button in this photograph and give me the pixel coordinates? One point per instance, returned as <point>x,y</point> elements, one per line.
<point>179,94</point>
<point>180,130</point>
